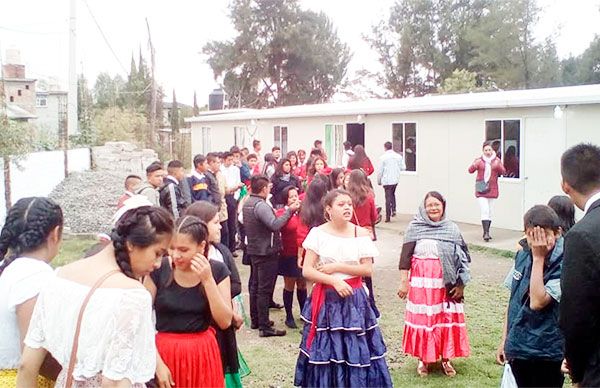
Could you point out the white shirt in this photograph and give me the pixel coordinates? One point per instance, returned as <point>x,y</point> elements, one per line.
<point>336,249</point>
<point>346,157</point>
<point>21,280</point>
<point>117,332</point>
<point>391,164</point>
<point>214,254</point>
<point>590,201</point>
<point>232,178</point>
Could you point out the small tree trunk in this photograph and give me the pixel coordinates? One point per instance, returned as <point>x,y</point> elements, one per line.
<point>7,193</point>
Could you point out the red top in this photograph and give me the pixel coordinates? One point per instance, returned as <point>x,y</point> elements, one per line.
<point>497,169</point>
<point>301,233</point>
<point>289,234</point>
<point>367,166</point>
<point>366,213</point>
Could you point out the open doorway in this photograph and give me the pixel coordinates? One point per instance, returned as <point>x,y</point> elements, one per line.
<point>355,134</point>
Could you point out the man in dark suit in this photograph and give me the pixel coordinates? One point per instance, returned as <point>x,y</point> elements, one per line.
<point>580,279</point>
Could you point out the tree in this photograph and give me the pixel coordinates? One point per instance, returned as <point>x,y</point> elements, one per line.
<point>589,63</point>
<point>462,81</point>
<point>196,109</point>
<point>85,103</point>
<point>108,91</point>
<point>282,55</point>
<point>175,137</point>
<point>120,124</point>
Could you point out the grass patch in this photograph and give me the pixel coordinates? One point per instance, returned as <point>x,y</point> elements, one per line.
<point>72,249</point>
<point>492,251</point>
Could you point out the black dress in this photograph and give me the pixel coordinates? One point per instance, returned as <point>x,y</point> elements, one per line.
<point>226,338</point>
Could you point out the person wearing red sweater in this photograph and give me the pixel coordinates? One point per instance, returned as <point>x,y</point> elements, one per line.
<point>364,214</point>
<point>488,167</point>
<point>360,161</point>
<point>288,265</point>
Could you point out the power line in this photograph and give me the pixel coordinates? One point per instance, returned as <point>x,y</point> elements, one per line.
<point>104,36</point>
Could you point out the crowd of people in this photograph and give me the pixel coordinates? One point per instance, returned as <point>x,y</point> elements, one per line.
<point>158,302</point>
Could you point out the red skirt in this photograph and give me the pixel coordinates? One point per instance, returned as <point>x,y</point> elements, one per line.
<point>194,359</point>
<point>434,328</point>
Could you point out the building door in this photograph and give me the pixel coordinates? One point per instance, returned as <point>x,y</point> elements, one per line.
<point>355,134</point>
<point>544,144</point>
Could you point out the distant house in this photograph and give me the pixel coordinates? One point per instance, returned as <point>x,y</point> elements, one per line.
<point>439,136</point>
<point>51,108</point>
<point>19,91</point>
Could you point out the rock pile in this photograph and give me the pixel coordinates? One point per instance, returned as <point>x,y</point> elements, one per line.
<point>89,199</point>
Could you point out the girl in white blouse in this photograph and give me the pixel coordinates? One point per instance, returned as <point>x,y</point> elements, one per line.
<point>116,342</point>
<point>29,240</point>
<point>342,345</point>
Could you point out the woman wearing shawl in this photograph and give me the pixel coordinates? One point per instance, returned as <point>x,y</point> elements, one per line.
<point>438,260</point>
<point>488,167</point>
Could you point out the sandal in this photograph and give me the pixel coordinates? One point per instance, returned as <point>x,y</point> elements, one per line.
<point>422,369</point>
<point>448,369</point>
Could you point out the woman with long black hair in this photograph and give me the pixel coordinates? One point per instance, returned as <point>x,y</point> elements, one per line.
<point>30,239</point>
<point>282,178</point>
<point>312,213</point>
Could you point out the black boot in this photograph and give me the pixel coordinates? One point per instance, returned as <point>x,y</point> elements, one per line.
<point>301,296</point>
<point>486,230</point>
<point>288,299</point>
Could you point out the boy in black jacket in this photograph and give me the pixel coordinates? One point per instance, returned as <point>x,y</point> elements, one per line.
<point>170,195</point>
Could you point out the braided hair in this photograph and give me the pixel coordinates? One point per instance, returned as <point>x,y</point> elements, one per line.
<point>141,227</point>
<point>27,227</point>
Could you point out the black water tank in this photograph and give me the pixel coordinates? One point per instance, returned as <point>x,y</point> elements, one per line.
<point>216,100</point>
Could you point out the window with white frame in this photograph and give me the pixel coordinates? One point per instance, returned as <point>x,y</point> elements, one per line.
<point>239,136</point>
<point>41,101</point>
<point>404,141</point>
<point>505,137</point>
<point>280,138</point>
<point>205,140</point>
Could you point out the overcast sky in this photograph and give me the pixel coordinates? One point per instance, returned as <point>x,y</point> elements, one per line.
<point>39,28</point>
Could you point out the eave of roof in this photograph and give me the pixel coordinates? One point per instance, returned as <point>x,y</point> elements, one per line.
<point>571,95</point>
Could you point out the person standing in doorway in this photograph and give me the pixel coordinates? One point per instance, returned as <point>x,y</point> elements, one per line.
<point>579,317</point>
<point>348,153</point>
<point>488,167</point>
<point>263,246</point>
<point>391,164</point>
<point>234,183</point>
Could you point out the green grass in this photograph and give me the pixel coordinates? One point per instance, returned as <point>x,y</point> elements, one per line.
<point>72,249</point>
<point>492,251</point>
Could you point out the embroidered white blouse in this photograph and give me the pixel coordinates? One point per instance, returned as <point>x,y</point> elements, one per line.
<point>20,281</point>
<point>117,333</point>
<point>336,249</point>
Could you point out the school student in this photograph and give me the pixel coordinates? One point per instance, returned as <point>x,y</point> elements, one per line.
<point>531,341</point>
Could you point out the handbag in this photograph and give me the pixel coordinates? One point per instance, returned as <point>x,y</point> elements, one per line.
<point>73,357</point>
<point>482,187</point>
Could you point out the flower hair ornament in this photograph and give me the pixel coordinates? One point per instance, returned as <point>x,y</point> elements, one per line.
<point>133,202</point>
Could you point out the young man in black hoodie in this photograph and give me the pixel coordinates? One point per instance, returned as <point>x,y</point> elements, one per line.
<point>170,195</point>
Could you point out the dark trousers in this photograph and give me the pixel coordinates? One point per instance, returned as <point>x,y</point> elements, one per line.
<point>231,220</point>
<point>537,373</point>
<point>263,274</point>
<point>224,233</point>
<point>390,200</point>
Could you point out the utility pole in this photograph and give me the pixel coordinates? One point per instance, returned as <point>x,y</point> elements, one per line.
<point>71,126</point>
<point>4,124</point>
<point>152,142</point>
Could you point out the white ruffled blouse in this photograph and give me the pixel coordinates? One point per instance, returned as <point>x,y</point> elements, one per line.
<point>117,333</point>
<point>336,249</point>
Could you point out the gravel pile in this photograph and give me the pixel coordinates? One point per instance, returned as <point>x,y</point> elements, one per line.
<point>89,200</point>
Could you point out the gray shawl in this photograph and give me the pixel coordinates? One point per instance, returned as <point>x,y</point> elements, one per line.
<point>454,254</point>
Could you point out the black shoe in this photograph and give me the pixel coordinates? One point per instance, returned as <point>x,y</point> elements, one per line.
<point>254,326</point>
<point>387,220</point>
<point>275,305</point>
<point>271,333</point>
<point>394,213</point>
<point>291,323</point>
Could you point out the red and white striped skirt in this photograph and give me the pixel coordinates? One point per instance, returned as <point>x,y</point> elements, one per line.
<point>434,328</point>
